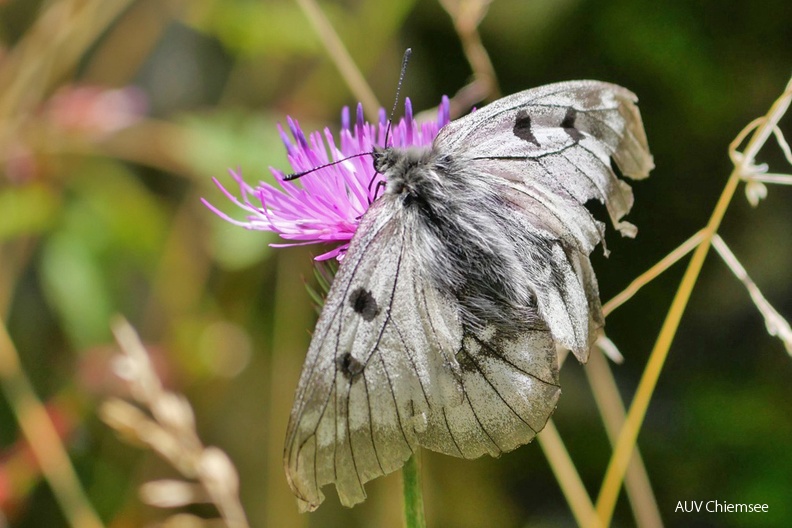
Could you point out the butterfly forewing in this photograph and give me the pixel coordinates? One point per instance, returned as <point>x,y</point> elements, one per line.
<point>381,356</point>
<point>576,124</point>
<point>553,146</point>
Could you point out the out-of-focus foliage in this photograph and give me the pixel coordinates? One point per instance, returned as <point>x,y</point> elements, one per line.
<point>100,214</point>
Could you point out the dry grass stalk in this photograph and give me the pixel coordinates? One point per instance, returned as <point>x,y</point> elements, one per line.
<point>466,16</point>
<point>168,428</point>
<point>568,477</point>
<point>340,56</point>
<point>611,408</point>
<point>42,437</point>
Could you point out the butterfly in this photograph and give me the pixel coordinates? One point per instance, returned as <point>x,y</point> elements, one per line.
<point>441,325</point>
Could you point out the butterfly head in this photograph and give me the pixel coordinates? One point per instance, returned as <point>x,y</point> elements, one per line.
<point>408,172</point>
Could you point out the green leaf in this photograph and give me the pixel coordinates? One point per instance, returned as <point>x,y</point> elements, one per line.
<point>75,286</point>
<point>26,210</point>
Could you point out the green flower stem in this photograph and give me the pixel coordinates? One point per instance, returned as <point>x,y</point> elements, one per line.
<point>413,496</point>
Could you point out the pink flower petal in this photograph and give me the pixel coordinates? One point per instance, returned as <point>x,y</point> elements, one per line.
<point>325,205</point>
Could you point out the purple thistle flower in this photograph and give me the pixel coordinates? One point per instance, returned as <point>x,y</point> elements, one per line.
<point>325,206</point>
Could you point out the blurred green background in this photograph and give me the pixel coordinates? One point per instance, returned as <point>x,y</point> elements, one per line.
<point>116,114</point>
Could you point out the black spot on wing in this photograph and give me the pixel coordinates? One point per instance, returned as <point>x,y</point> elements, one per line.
<point>522,128</point>
<point>568,124</point>
<point>364,304</point>
<point>349,366</point>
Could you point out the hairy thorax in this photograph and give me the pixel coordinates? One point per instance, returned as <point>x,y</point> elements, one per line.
<point>462,232</point>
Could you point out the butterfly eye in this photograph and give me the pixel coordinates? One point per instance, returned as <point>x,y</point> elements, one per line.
<point>380,160</point>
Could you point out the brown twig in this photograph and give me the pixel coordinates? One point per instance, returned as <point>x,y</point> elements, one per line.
<point>466,16</point>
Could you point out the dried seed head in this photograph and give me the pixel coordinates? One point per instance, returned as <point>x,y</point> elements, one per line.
<point>174,412</point>
<point>125,418</point>
<point>171,493</point>
<point>218,472</point>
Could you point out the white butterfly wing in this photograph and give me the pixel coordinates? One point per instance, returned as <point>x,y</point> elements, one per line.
<point>549,150</point>
<point>568,130</point>
<point>390,367</point>
<point>349,423</point>
<point>396,363</point>
<point>510,391</point>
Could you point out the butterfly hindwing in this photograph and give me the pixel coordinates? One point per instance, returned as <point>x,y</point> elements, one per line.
<point>511,389</point>
<point>391,367</point>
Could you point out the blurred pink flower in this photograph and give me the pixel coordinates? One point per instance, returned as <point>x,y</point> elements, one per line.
<point>325,206</point>
<point>20,165</point>
<point>95,110</point>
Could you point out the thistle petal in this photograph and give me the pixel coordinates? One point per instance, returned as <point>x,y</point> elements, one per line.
<point>325,205</point>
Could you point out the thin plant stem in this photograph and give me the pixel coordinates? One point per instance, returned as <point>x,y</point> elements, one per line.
<point>567,476</point>
<point>466,16</point>
<point>775,324</point>
<point>550,441</point>
<point>611,409</point>
<point>652,273</point>
<point>780,179</point>
<point>43,439</point>
<point>564,469</point>
<point>625,444</point>
<point>341,57</point>
<point>413,495</point>
<point>614,475</point>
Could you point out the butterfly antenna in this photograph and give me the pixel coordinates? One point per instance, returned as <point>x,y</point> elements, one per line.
<point>295,175</point>
<point>405,60</point>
